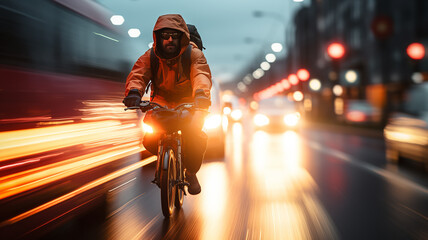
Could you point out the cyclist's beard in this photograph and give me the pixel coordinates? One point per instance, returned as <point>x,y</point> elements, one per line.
<point>170,50</point>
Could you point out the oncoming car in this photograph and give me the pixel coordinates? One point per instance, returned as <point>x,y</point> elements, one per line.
<point>277,113</point>
<point>232,108</point>
<point>213,125</point>
<point>406,134</point>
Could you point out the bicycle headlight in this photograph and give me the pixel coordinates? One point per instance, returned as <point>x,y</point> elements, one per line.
<point>147,128</point>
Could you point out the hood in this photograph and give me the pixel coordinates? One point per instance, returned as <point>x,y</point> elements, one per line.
<point>173,21</point>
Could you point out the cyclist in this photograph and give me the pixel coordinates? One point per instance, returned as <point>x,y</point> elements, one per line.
<point>171,87</point>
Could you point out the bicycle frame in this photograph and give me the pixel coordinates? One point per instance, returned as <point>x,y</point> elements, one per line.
<point>169,176</point>
<point>170,172</point>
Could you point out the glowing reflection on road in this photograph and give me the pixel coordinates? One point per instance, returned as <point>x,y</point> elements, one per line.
<point>214,197</point>
<point>284,201</point>
<point>237,149</point>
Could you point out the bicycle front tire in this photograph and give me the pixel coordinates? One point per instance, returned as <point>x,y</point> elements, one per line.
<point>168,176</point>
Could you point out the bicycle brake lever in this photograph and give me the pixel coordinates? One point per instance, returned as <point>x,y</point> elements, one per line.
<point>131,108</point>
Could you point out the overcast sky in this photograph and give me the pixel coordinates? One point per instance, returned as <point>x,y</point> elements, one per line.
<point>223,24</point>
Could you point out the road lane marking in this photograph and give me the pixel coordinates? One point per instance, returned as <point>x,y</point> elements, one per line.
<point>121,185</point>
<point>371,168</point>
<point>124,205</point>
<point>414,212</point>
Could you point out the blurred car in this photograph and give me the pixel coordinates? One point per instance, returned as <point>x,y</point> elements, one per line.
<point>277,113</point>
<point>213,125</point>
<point>406,134</point>
<point>232,109</point>
<point>361,112</point>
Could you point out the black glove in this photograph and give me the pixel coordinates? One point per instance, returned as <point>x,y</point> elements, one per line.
<point>201,100</point>
<point>133,99</point>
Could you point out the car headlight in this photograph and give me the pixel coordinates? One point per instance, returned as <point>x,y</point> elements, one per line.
<point>261,120</point>
<point>291,119</point>
<point>227,110</point>
<point>236,114</point>
<point>212,121</point>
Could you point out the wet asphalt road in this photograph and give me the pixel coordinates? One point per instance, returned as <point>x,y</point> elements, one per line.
<point>309,184</point>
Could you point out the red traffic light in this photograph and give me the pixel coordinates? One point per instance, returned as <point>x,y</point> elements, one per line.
<point>303,74</point>
<point>336,50</point>
<point>416,51</point>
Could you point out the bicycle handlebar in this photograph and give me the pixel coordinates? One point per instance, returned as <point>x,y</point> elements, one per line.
<point>147,105</point>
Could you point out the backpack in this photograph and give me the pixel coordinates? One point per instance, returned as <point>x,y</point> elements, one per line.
<point>195,37</point>
<point>185,58</point>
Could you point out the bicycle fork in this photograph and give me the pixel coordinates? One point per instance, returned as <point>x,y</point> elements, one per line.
<point>162,146</point>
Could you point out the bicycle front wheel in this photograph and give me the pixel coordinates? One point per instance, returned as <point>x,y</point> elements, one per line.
<point>168,176</point>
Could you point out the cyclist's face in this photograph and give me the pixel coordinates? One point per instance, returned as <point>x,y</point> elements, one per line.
<point>170,41</point>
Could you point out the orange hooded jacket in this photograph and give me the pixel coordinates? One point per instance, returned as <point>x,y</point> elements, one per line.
<point>173,87</point>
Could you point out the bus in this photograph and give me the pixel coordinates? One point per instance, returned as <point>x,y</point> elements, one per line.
<point>65,139</point>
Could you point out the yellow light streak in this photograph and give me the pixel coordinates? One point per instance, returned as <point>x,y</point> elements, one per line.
<point>27,180</point>
<point>78,191</point>
<point>55,122</point>
<point>14,144</point>
<point>214,198</point>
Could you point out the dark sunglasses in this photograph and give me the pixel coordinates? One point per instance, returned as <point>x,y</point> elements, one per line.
<point>167,35</point>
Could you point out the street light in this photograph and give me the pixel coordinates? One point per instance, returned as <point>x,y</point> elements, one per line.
<point>351,76</point>
<point>265,66</point>
<point>298,96</point>
<point>117,20</point>
<point>276,47</point>
<point>270,57</point>
<point>275,15</point>
<point>134,32</point>
<point>315,84</point>
<point>258,73</point>
<point>337,90</point>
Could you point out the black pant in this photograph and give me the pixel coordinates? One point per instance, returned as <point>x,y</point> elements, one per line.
<point>193,148</point>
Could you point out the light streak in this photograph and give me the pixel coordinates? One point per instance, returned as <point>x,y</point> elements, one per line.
<point>27,180</point>
<point>78,191</point>
<point>19,164</point>
<point>104,36</point>
<point>14,144</point>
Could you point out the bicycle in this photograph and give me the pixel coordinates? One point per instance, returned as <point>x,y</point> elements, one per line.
<point>170,173</point>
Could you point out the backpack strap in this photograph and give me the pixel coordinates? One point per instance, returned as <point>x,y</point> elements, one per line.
<point>186,61</point>
<point>154,67</point>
